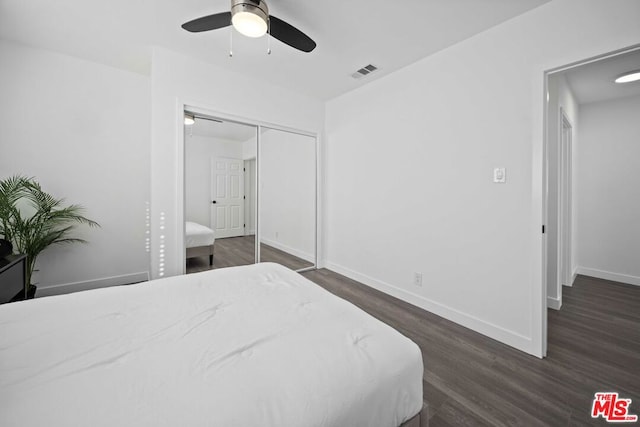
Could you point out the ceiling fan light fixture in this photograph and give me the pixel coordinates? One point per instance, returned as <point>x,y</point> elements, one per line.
<point>629,77</point>
<point>250,18</point>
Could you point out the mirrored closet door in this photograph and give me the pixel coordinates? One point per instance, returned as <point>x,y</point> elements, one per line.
<point>250,195</point>
<point>220,192</point>
<point>287,194</point>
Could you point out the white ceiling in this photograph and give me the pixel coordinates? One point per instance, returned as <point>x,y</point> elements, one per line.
<point>595,82</point>
<point>349,34</point>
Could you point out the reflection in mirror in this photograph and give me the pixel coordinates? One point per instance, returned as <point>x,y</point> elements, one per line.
<point>287,217</point>
<point>220,193</point>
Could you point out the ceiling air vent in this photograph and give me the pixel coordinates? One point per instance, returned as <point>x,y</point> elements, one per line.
<point>367,69</point>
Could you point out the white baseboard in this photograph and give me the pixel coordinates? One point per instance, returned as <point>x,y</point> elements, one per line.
<point>295,252</point>
<point>608,275</point>
<point>554,303</point>
<point>106,282</point>
<point>498,333</point>
<point>572,279</point>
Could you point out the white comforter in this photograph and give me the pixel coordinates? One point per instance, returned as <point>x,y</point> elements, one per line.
<point>198,235</point>
<point>248,346</point>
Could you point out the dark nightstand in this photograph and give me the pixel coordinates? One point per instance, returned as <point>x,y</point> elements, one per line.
<point>13,273</point>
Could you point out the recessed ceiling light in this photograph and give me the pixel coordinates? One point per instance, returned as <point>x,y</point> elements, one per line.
<point>629,77</point>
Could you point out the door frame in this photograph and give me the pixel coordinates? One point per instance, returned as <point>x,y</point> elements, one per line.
<point>565,206</point>
<point>197,108</point>
<point>248,231</point>
<point>540,191</point>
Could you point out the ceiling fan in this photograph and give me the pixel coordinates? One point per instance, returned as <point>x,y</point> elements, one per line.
<point>251,18</point>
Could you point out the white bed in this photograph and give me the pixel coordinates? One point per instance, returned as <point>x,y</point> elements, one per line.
<point>199,240</point>
<point>257,345</point>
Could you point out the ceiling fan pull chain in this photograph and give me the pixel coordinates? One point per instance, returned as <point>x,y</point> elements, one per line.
<point>231,42</point>
<point>269,38</point>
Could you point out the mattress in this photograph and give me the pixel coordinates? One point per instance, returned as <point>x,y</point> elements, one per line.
<point>256,345</point>
<point>198,235</point>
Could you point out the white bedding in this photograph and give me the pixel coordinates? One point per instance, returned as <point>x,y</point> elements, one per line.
<point>257,345</point>
<point>198,235</point>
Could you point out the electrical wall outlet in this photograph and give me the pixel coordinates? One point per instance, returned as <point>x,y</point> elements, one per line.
<point>417,279</point>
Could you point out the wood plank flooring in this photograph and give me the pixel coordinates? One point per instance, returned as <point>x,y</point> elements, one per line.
<point>472,380</point>
<point>234,251</point>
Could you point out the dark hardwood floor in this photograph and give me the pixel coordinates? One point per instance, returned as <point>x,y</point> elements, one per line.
<point>472,380</point>
<point>234,251</point>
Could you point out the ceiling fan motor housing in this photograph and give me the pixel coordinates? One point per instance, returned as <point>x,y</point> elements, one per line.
<point>257,7</point>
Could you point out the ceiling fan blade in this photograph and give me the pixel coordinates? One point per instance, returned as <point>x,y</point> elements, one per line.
<point>206,23</point>
<point>290,35</point>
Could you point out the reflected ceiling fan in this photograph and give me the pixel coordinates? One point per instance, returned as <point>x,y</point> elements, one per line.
<point>251,18</point>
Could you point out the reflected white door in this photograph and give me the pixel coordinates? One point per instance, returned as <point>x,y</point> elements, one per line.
<point>227,197</point>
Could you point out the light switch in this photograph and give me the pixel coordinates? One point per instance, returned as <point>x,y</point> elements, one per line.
<point>499,175</point>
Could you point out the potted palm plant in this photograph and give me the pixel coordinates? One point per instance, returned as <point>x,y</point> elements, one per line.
<point>32,219</point>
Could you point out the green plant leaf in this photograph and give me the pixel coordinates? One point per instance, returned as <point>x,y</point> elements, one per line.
<point>50,223</point>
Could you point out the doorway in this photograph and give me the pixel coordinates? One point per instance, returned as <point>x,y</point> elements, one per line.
<point>574,181</point>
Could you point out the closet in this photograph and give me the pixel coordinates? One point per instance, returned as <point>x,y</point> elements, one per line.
<point>254,186</point>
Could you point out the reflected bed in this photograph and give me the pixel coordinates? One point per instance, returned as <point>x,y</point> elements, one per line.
<point>257,345</point>
<point>199,240</point>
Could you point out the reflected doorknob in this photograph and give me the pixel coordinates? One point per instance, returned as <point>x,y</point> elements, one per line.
<point>214,202</point>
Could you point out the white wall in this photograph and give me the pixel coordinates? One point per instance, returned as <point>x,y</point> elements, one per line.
<point>287,192</point>
<point>198,153</point>
<point>561,98</point>
<point>410,159</point>
<point>249,149</point>
<point>177,80</point>
<point>609,198</point>
<point>82,129</point>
